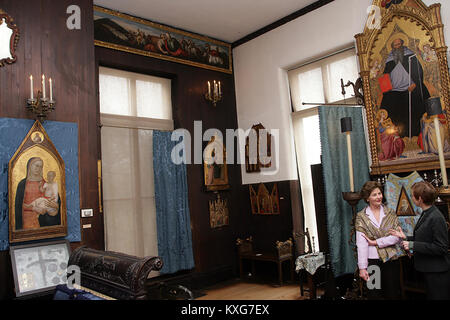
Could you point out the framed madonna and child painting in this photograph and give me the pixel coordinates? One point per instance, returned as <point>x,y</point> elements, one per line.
<point>404,68</point>
<point>36,188</point>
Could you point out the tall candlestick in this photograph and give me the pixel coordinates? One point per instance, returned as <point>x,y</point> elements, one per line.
<point>441,152</point>
<point>350,161</point>
<point>31,86</point>
<point>51,89</point>
<point>43,86</point>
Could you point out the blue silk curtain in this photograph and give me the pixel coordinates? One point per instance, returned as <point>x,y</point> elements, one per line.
<point>172,207</point>
<point>336,180</point>
<point>64,136</point>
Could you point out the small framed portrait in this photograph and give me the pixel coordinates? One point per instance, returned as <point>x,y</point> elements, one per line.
<point>215,165</point>
<point>36,184</point>
<point>39,267</point>
<point>218,212</point>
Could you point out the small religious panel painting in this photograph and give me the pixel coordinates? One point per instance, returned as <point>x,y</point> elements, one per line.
<point>404,206</point>
<point>263,202</point>
<point>258,149</point>
<point>36,188</point>
<point>215,165</point>
<point>218,212</point>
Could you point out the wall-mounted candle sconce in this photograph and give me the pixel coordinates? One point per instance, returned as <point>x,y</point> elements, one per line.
<point>214,94</point>
<point>41,105</point>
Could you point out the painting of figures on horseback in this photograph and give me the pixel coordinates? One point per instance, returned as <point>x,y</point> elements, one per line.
<point>123,32</point>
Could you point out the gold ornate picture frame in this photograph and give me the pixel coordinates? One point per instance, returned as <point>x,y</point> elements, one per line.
<point>36,189</point>
<point>264,202</point>
<point>215,170</point>
<point>218,212</point>
<point>403,64</point>
<point>123,32</point>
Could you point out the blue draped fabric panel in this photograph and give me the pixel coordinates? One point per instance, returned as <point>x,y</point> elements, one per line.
<point>336,180</point>
<point>64,136</point>
<point>172,207</point>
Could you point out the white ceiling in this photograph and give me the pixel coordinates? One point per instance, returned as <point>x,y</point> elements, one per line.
<point>226,20</point>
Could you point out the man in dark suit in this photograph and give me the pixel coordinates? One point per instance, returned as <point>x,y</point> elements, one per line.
<point>429,243</point>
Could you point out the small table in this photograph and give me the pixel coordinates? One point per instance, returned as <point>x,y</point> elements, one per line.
<point>266,257</point>
<point>310,262</point>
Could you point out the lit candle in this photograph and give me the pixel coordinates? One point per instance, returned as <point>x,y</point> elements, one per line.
<point>209,89</point>
<point>43,86</point>
<point>220,90</point>
<point>433,108</point>
<point>350,161</point>
<point>31,87</point>
<point>51,89</point>
<point>346,127</point>
<point>215,88</point>
<point>441,152</point>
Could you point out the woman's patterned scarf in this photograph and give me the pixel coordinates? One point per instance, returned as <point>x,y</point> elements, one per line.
<point>390,221</point>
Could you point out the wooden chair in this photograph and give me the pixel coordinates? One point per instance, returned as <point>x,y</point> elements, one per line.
<point>282,253</point>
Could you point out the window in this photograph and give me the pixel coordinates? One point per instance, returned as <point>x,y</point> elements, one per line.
<point>131,106</point>
<point>316,83</point>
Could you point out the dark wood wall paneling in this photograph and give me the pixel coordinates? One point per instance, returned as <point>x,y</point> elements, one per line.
<point>267,229</point>
<point>213,248</point>
<point>47,46</point>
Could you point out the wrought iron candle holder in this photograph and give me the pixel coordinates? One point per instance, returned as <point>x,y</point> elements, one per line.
<point>356,292</point>
<point>352,199</point>
<point>41,106</point>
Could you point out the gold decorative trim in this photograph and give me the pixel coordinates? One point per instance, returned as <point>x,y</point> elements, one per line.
<point>95,293</point>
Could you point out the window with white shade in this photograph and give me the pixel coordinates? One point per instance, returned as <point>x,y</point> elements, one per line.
<point>131,106</point>
<point>311,84</point>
